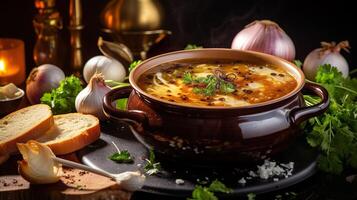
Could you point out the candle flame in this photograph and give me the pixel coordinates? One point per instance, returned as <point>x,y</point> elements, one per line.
<point>2,66</point>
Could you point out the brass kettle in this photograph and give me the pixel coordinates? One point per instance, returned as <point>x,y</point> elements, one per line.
<point>132,15</point>
<point>135,23</point>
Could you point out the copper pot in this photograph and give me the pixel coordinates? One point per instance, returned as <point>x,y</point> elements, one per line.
<point>215,134</point>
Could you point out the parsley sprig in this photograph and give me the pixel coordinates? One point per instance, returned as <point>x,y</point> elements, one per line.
<point>207,193</point>
<point>121,156</point>
<point>335,132</point>
<point>62,99</point>
<point>152,167</point>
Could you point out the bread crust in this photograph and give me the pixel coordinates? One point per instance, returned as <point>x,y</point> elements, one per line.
<point>39,128</point>
<point>78,141</point>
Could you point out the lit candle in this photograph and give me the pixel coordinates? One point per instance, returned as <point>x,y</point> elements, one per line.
<point>12,61</point>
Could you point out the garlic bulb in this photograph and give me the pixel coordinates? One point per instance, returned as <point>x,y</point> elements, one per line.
<point>37,165</point>
<point>90,99</point>
<point>110,68</point>
<point>267,37</point>
<point>329,53</point>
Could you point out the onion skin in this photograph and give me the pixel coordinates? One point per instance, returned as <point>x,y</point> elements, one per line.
<point>41,80</point>
<point>110,68</point>
<point>267,37</point>
<point>328,54</point>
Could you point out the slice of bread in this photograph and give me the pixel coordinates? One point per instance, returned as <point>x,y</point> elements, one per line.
<point>25,124</point>
<point>71,132</point>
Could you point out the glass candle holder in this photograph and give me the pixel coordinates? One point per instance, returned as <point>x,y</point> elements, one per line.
<point>12,61</point>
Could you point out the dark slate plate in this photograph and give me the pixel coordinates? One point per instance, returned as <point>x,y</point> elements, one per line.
<point>96,155</point>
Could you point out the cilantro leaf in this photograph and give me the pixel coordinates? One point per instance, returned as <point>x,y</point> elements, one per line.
<point>134,64</point>
<point>121,103</point>
<point>298,63</point>
<point>202,193</point>
<point>152,167</point>
<point>62,99</point>
<point>217,186</point>
<point>335,132</point>
<point>192,46</point>
<point>121,157</point>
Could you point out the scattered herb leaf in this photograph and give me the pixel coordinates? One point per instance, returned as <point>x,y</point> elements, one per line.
<point>251,196</point>
<point>134,64</point>
<point>192,46</point>
<point>121,156</point>
<point>207,193</point>
<point>62,99</point>
<point>335,132</point>
<point>151,167</point>
<point>218,186</point>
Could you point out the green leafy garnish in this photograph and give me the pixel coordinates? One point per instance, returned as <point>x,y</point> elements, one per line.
<point>202,193</point>
<point>151,167</point>
<point>62,99</point>
<point>335,132</point>
<point>298,63</point>
<point>208,85</point>
<point>121,156</point>
<point>192,46</point>
<point>121,103</point>
<point>207,193</point>
<point>134,64</point>
<point>218,186</point>
<point>251,196</point>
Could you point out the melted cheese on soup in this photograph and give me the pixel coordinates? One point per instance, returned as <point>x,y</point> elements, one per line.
<point>237,84</point>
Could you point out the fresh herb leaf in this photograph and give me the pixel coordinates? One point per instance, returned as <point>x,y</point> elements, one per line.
<point>192,46</point>
<point>217,186</point>
<point>298,63</point>
<point>121,157</point>
<point>251,196</point>
<point>187,78</point>
<point>134,64</point>
<point>335,132</point>
<point>62,99</point>
<point>208,85</point>
<point>121,103</point>
<point>203,193</point>
<point>151,167</point>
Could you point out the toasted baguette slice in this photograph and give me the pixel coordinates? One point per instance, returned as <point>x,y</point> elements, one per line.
<point>71,132</point>
<point>25,124</point>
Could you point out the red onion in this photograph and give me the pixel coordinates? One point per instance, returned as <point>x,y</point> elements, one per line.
<point>329,53</point>
<point>42,79</point>
<point>267,37</point>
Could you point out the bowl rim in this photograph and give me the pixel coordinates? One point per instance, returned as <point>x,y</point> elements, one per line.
<point>289,66</point>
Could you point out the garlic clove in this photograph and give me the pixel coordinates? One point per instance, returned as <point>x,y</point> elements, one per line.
<point>37,165</point>
<point>90,99</point>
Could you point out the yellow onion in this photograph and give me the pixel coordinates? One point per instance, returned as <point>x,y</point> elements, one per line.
<point>329,53</point>
<point>37,165</point>
<point>267,37</point>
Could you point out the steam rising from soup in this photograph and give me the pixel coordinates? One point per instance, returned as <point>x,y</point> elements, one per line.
<point>229,84</point>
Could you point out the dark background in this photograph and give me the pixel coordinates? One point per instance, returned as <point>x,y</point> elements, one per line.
<point>211,23</point>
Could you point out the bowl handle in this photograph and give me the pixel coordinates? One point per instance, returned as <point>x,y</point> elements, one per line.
<point>298,115</point>
<point>133,117</point>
